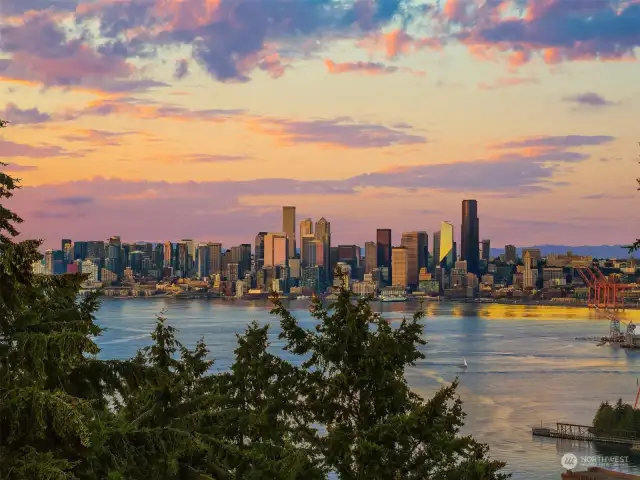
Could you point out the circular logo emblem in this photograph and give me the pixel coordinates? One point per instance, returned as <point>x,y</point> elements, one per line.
<point>569,461</point>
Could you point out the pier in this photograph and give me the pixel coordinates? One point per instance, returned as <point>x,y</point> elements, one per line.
<point>584,433</point>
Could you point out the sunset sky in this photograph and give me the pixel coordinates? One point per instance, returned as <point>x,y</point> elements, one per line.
<point>166,119</point>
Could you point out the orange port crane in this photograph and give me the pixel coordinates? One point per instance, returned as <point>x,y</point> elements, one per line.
<point>604,292</point>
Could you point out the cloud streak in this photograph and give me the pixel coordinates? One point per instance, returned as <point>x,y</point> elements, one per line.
<point>28,116</point>
<point>339,132</point>
<point>9,149</point>
<point>367,68</point>
<point>589,99</point>
<point>558,141</point>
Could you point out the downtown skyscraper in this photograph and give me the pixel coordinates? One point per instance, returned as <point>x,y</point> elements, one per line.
<point>383,254</point>
<point>470,236</point>
<point>289,228</point>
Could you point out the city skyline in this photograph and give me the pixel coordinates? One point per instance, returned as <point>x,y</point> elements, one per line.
<point>378,115</point>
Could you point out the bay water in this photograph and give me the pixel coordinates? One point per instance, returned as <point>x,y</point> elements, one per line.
<point>525,366</point>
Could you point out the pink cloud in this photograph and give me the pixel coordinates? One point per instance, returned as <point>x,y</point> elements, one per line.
<point>9,149</point>
<point>368,68</point>
<point>398,42</point>
<point>93,210</point>
<point>42,52</point>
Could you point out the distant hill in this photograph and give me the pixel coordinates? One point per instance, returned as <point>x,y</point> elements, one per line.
<point>596,251</point>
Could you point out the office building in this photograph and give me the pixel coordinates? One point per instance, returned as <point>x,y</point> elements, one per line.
<point>204,261</point>
<point>370,257</point>
<point>259,251</point>
<point>510,254</point>
<point>323,234</point>
<point>423,250</point>
<point>400,267</point>
<point>486,250</point>
<point>168,254</point>
<point>436,251</point>
<point>534,253</point>
<point>383,246</point>
<point>289,228</point>
<point>306,229</point>
<point>447,251</point>
<point>215,262</point>
<point>305,259</point>
<point>411,242</point>
<point>470,235</point>
<point>276,249</point>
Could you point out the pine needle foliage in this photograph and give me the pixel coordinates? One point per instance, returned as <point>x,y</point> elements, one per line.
<point>167,422</point>
<point>259,397</point>
<point>352,382</point>
<point>53,392</point>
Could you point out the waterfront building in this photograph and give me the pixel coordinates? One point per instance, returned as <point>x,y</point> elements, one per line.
<point>413,242</point>
<point>400,266</point>
<point>91,269</point>
<point>383,246</point>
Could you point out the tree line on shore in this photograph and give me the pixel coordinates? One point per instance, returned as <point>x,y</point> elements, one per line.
<point>163,414</point>
<point>619,419</point>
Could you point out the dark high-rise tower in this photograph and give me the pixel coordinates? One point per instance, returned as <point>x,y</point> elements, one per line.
<point>486,249</point>
<point>383,241</point>
<point>470,236</point>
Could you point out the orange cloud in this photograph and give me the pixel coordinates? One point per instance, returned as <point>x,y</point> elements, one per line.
<point>149,110</point>
<point>369,68</point>
<point>100,137</point>
<point>398,42</point>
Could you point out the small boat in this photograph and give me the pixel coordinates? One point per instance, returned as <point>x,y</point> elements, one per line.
<point>464,363</point>
<point>302,297</point>
<point>393,298</point>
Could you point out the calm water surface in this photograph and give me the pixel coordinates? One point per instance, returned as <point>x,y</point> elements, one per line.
<point>524,365</point>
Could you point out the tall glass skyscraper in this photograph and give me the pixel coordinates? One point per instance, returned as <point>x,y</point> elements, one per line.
<point>447,246</point>
<point>470,236</point>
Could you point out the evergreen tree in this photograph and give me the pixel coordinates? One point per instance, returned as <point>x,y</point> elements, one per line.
<point>352,382</point>
<point>53,392</point>
<point>259,397</point>
<point>166,424</point>
<point>617,420</point>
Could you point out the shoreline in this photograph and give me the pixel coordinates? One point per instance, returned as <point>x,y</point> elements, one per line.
<point>412,301</point>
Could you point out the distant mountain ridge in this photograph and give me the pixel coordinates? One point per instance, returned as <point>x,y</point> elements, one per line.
<point>596,251</point>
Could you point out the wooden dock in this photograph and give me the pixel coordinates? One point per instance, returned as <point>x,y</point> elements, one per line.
<point>584,433</point>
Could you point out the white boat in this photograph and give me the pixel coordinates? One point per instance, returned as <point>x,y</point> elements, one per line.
<point>393,298</point>
<point>464,363</point>
<point>302,297</point>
